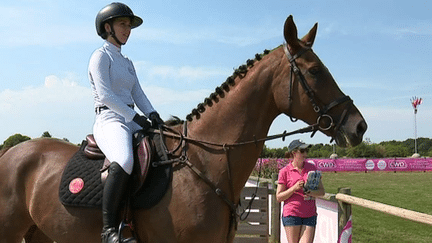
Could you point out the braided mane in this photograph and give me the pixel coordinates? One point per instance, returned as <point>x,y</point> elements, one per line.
<point>241,72</point>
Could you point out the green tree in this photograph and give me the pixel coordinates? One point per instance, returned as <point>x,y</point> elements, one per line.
<point>429,153</point>
<point>320,151</point>
<point>280,152</point>
<point>14,140</point>
<point>273,152</point>
<point>363,150</point>
<point>46,134</point>
<point>381,150</point>
<point>396,150</point>
<point>423,145</point>
<point>265,153</point>
<point>366,149</point>
<point>410,144</point>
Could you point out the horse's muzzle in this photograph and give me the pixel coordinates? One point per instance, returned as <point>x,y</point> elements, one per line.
<point>350,136</point>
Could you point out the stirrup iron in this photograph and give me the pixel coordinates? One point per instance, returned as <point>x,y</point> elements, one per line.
<point>123,225</point>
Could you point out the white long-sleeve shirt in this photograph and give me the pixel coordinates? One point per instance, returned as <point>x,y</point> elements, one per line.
<point>115,84</point>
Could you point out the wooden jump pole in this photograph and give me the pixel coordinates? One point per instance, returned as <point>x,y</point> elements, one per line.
<point>388,209</point>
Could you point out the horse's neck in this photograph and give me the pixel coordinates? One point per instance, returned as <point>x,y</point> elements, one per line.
<point>244,113</point>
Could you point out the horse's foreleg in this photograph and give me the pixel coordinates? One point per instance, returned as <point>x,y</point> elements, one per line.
<point>14,217</point>
<point>35,235</point>
<point>14,222</point>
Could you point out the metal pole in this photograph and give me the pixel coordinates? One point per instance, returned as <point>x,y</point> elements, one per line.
<point>415,101</point>
<point>415,130</point>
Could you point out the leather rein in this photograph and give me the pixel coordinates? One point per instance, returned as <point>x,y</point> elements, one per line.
<point>165,131</point>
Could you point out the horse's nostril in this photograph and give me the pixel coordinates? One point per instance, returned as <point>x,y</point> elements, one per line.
<point>361,128</point>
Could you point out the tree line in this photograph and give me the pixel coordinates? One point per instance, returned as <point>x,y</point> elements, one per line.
<point>366,149</point>
<point>19,138</point>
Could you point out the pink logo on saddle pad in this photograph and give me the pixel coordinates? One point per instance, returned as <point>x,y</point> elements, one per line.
<point>76,185</point>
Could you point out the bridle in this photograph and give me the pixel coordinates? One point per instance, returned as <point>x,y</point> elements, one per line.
<point>324,121</point>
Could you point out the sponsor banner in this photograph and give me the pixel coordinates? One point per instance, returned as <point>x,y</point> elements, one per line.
<point>384,164</point>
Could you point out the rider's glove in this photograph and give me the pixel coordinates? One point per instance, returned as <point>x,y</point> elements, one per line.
<point>142,121</point>
<point>155,119</point>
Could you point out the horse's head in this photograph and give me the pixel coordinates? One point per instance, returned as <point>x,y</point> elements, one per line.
<point>309,92</point>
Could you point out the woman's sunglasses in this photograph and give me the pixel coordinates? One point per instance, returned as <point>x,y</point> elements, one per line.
<point>304,150</point>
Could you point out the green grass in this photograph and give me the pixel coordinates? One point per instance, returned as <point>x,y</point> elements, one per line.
<point>406,190</point>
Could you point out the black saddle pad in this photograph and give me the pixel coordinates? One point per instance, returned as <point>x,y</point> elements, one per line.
<point>81,184</point>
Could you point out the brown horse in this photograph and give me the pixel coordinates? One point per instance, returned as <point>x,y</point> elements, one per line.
<point>290,79</point>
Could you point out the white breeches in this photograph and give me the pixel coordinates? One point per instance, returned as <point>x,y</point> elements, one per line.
<point>114,137</point>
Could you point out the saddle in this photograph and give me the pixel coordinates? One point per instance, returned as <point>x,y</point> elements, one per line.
<point>85,174</point>
<point>143,155</point>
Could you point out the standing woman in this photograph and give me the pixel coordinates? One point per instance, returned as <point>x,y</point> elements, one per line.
<point>116,91</point>
<point>299,210</point>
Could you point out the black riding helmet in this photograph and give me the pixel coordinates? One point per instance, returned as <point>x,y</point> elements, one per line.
<point>112,11</point>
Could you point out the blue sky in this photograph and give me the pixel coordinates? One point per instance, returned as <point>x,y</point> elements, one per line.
<point>379,52</point>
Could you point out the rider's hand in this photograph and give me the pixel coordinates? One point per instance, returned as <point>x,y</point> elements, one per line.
<point>156,120</point>
<point>142,121</point>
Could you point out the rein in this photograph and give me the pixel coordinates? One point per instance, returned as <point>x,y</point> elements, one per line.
<point>183,138</point>
<point>165,131</point>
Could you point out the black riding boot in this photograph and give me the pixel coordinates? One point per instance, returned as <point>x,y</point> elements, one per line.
<point>114,190</point>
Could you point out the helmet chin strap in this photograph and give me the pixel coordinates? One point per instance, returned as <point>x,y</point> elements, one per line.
<point>113,35</point>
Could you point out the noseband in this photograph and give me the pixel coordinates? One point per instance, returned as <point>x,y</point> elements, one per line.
<point>324,121</point>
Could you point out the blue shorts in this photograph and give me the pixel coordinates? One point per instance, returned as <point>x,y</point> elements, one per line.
<point>295,221</point>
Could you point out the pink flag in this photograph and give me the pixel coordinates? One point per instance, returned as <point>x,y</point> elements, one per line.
<point>346,235</point>
<point>416,102</point>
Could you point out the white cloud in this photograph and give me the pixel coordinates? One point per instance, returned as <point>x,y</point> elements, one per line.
<point>57,96</point>
<point>417,29</point>
<point>54,106</point>
<point>64,108</point>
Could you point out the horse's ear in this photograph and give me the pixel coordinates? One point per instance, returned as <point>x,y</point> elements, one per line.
<point>290,34</point>
<point>310,37</point>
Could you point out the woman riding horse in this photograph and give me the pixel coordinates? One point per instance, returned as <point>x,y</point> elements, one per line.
<point>289,80</point>
<point>116,90</point>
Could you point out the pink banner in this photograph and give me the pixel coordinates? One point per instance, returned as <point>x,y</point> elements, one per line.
<point>385,164</point>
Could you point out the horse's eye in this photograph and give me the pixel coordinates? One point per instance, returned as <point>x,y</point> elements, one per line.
<point>314,70</point>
